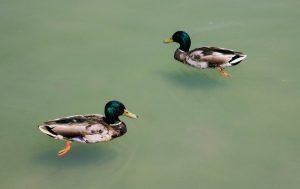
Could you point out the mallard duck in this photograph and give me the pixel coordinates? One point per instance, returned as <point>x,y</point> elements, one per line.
<point>90,128</point>
<point>204,57</point>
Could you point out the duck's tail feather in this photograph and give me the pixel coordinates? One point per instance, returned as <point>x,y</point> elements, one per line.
<point>47,130</point>
<point>237,59</point>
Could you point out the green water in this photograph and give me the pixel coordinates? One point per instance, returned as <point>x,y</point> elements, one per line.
<point>196,129</point>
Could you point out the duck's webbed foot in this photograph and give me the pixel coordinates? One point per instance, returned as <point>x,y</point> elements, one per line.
<point>222,72</point>
<point>65,150</point>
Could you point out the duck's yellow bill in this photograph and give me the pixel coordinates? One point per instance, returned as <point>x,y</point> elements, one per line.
<point>168,40</point>
<point>129,114</point>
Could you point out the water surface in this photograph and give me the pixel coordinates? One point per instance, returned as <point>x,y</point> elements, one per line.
<point>196,129</point>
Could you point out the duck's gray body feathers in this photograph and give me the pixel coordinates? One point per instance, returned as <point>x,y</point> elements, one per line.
<point>89,128</point>
<point>205,57</point>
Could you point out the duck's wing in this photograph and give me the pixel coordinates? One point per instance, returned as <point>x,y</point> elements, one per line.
<point>222,51</point>
<point>74,127</point>
<point>77,119</point>
<point>233,57</point>
<point>213,56</point>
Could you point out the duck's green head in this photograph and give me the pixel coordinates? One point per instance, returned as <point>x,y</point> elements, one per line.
<point>113,109</point>
<point>182,38</point>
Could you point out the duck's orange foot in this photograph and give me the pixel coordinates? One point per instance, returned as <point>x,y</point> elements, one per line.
<point>65,150</point>
<point>222,72</point>
<point>225,74</point>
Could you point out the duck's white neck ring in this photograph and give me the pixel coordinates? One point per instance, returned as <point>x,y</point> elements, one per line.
<point>180,50</point>
<point>116,124</point>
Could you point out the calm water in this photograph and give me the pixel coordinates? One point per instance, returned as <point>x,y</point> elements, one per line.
<point>196,129</point>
